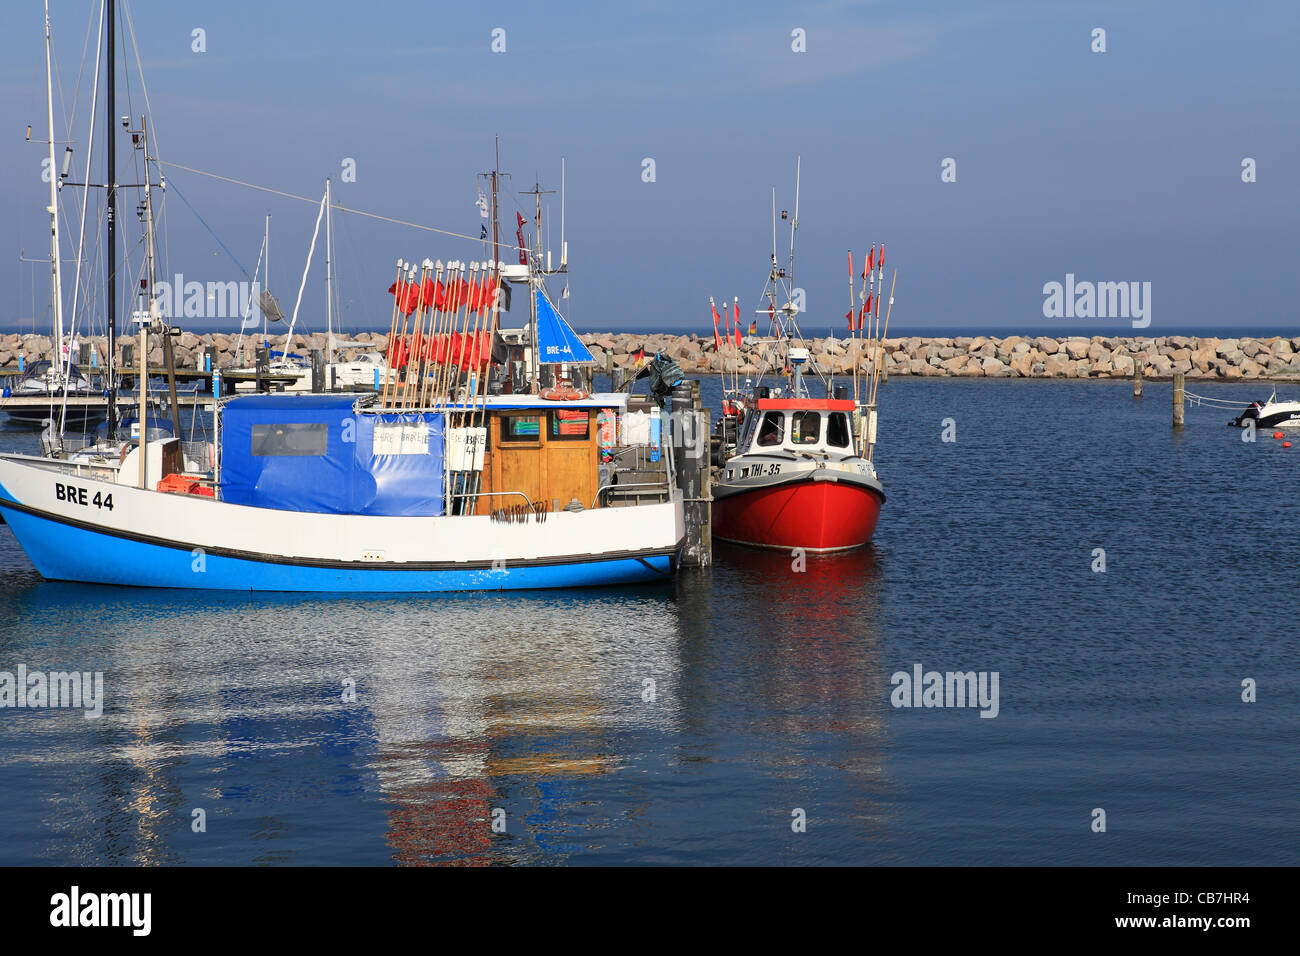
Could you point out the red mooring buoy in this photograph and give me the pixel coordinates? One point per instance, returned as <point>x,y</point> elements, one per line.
<point>1286,444</point>
<point>1277,434</point>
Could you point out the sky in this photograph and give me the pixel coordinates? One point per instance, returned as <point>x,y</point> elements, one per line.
<point>1117,166</point>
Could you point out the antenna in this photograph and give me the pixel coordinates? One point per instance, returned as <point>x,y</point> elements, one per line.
<point>773,232</point>
<point>794,223</point>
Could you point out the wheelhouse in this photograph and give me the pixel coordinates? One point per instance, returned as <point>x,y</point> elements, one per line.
<point>798,425</point>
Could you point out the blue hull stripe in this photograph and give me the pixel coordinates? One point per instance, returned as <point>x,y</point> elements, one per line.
<point>64,552</point>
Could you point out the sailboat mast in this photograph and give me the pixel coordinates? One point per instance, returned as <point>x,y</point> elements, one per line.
<point>266,271</point>
<point>110,209</point>
<point>329,274</point>
<point>150,235</point>
<point>56,276</point>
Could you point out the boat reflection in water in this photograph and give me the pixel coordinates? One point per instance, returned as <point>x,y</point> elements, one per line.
<point>509,711</point>
<point>372,730</point>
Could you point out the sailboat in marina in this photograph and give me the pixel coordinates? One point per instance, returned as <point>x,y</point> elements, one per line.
<point>57,378</point>
<point>293,372</point>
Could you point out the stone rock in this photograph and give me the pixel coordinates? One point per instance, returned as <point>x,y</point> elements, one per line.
<point>1055,365</point>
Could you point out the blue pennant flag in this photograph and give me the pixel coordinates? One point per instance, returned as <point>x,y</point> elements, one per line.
<point>556,341</point>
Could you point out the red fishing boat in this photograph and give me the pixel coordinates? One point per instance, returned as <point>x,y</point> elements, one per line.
<point>796,480</point>
<point>796,471</point>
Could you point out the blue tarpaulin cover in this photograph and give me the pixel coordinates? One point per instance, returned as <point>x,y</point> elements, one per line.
<point>556,341</point>
<point>314,453</point>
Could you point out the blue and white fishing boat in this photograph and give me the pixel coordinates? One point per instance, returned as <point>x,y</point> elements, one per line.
<point>332,493</point>
<point>348,493</point>
<point>476,466</point>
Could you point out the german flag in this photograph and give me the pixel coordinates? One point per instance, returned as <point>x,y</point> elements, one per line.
<point>639,355</point>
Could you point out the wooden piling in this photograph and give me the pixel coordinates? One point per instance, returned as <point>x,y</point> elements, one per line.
<point>317,370</point>
<point>169,360</point>
<point>1178,399</point>
<point>690,439</point>
<point>1137,378</point>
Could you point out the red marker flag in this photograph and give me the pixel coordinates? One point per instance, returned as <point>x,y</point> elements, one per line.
<point>717,339</point>
<point>738,335</point>
<point>871,256</point>
<point>408,296</point>
<point>429,293</point>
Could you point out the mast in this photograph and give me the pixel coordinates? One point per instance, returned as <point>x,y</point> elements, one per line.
<point>110,212</point>
<point>536,268</point>
<point>329,275</point>
<point>496,176</point>
<point>56,276</point>
<point>266,271</point>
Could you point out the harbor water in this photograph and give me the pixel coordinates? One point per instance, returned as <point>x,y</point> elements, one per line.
<point>1128,584</point>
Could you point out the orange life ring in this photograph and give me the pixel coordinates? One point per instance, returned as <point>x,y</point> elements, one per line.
<point>563,393</point>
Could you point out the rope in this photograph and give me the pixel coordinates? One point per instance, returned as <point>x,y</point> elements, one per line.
<point>204,223</point>
<point>356,212</point>
<point>1212,402</point>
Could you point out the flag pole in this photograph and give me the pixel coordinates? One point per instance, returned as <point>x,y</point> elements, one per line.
<point>858,326</point>
<point>718,342</point>
<point>737,339</point>
<point>407,269</point>
<point>392,339</point>
<point>881,344</point>
<point>421,314</point>
<point>437,388</point>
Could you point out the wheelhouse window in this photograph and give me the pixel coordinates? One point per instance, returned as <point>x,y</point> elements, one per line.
<point>837,430</point>
<point>290,439</point>
<point>569,424</point>
<point>747,430</point>
<point>772,430</point>
<point>805,428</point>
<point>521,428</point>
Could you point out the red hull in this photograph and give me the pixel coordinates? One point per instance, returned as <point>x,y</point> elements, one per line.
<point>814,515</point>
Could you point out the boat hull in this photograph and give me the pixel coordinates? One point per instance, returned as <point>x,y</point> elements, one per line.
<point>75,417</point>
<point>815,513</point>
<point>154,539</point>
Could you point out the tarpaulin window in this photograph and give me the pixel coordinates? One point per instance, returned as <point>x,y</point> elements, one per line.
<point>319,453</point>
<point>570,424</point>
<point>289,438</point>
